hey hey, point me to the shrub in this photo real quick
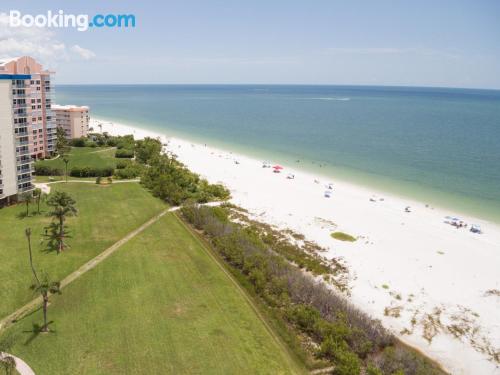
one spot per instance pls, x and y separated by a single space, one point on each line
129 172
146 149
78 142
121 164
170 180
45 170
124 153
91 172
98 180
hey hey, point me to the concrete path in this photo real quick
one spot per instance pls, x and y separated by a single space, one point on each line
44 186
105 150
21 366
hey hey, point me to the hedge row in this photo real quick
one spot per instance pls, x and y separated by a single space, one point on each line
91 172
124 153
45 170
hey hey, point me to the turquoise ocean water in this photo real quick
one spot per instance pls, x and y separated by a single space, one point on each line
440 146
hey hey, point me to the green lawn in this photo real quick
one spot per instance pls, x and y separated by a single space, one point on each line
97 157
106 214
159 305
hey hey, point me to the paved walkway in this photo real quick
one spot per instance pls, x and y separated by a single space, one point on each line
21 366
44 186
105 150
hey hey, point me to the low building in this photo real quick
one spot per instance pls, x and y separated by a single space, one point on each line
73 119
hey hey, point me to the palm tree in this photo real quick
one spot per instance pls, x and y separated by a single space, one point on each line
39 197
65 159
63 206
27 232
27 198
44 286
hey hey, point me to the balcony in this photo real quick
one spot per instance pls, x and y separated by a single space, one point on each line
23 152
20 113
19 105
21 134
24 179
24 161
22 143
25 188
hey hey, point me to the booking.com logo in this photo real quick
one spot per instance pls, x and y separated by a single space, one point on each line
82 22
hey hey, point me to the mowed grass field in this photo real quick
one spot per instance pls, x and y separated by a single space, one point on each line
159 305
95 157
106 214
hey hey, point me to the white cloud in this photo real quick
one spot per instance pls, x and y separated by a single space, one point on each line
84 53
40 43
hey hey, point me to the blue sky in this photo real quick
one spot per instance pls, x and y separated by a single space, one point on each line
383 42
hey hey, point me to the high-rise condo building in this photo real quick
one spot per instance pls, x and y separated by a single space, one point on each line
27 126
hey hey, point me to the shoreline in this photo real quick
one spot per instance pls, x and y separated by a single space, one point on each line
410 192
411 263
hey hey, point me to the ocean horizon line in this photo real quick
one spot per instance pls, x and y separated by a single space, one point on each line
334 85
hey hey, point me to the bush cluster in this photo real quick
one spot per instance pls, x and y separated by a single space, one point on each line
91 171
344 335
78 142
132 170
46 170
124 153
124 163
170 180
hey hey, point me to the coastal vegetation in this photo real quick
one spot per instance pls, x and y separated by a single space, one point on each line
170 180
124 158
318 322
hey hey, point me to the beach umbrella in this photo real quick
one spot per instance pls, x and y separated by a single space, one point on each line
278 167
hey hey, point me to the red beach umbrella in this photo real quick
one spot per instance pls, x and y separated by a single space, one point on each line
278 167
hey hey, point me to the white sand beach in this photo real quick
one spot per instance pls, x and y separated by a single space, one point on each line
435 286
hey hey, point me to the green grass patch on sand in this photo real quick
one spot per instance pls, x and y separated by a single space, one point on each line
159 305
95 157
106 214
341 236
